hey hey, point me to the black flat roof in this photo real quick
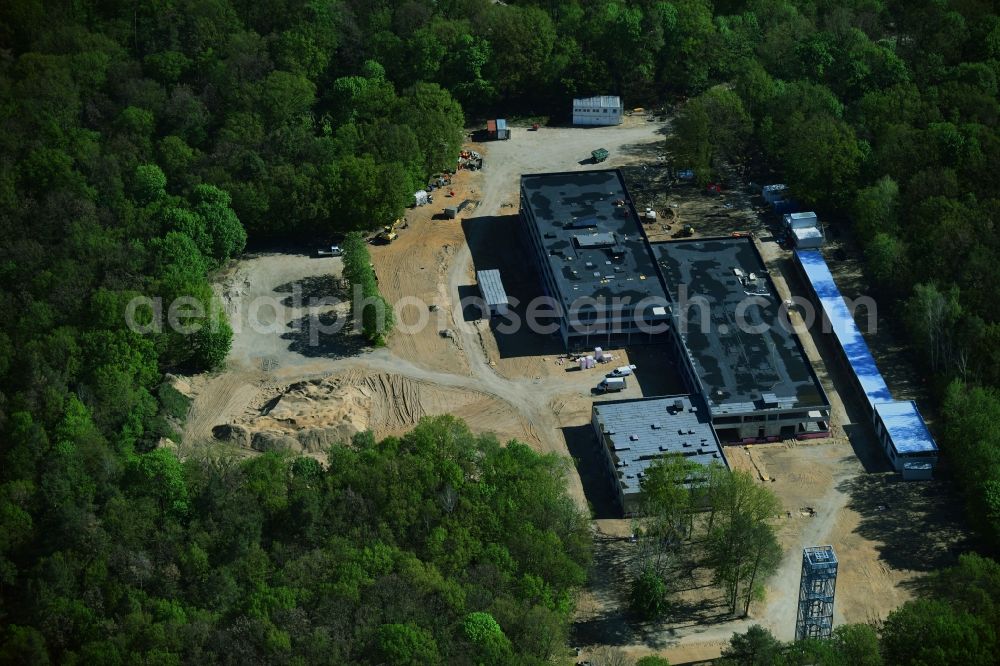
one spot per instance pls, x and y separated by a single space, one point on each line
595 248
740 370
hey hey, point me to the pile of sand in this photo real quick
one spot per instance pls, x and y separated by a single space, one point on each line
310 416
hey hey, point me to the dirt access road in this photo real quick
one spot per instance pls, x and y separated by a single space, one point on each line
286 378
273 300
886 533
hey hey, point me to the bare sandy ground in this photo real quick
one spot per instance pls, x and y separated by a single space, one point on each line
886 533
301 389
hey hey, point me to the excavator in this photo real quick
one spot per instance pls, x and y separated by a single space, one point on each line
388 233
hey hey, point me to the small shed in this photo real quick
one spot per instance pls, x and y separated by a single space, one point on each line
451 212
772 193
420 198
801 220
491 288
497 129
807 238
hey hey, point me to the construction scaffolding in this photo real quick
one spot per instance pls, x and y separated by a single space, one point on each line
816 591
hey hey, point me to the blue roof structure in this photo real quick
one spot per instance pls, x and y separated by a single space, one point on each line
906 428
847 333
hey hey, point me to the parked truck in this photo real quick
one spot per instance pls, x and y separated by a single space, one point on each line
612 385
334 251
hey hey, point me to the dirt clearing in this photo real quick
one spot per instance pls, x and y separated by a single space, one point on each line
297 384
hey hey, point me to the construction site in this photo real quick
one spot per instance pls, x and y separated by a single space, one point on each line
782 405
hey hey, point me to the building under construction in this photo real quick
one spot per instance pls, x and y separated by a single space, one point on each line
634 434
709 302
594 260
736 348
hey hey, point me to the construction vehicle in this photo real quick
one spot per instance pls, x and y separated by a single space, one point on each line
388 233
599 155
686 231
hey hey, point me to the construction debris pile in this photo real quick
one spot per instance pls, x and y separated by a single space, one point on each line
470 159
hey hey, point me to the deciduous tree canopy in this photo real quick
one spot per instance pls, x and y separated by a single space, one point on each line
143 144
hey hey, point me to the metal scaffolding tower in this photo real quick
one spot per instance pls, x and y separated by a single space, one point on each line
816 590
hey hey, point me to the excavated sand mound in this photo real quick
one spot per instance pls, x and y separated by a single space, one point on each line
309 416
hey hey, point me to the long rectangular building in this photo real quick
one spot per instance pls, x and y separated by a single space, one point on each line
837 319
593 257
898 424
742 357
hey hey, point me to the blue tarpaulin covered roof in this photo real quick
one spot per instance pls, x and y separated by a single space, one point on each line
905 426
844 328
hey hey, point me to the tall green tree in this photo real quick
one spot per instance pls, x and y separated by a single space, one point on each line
742 547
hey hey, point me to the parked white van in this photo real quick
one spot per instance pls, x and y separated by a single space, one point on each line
612 384
622 371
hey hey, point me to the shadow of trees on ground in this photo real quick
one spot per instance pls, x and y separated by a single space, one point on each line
313 289
917 524
325 335
695 602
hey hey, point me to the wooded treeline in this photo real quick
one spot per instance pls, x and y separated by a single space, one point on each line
693 515
437 547
884 117
142 143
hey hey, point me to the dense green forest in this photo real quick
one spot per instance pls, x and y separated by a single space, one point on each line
884 117
142 144
439 546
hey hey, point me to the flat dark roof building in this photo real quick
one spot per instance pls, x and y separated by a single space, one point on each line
635 433
593 255
746 361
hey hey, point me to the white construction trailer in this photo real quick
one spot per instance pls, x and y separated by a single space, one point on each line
602 110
